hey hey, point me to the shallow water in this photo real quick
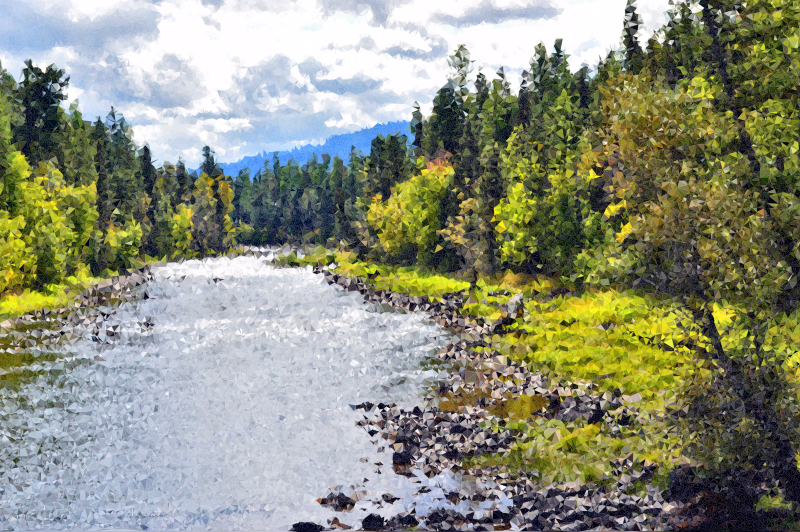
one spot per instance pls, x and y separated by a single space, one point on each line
230 412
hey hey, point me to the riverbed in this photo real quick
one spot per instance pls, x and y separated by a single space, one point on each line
221 401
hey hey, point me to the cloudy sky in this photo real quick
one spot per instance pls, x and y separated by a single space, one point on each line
249 75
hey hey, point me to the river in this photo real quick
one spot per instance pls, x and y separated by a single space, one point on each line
221 402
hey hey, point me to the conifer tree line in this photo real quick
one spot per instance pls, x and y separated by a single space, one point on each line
675 169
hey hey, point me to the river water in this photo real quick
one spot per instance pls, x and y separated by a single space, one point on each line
221 402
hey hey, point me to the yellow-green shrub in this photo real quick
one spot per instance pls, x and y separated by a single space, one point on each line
13 252
514 218
412 214
541 210
207 230
123 243
181 230
58 221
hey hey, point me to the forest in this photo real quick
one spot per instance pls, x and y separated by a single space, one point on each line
674 169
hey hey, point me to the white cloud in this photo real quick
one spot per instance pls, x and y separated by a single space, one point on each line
252 75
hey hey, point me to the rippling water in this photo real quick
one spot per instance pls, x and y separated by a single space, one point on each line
230 413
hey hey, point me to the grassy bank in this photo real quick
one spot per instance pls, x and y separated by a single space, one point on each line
17 303
615 341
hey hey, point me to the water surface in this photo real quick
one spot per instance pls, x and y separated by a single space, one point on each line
222 402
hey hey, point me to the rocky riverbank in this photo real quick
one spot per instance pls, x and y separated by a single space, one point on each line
438 436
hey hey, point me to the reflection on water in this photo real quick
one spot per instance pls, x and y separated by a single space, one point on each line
221 402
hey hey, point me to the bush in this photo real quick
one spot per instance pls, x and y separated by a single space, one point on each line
539 219
123 244
412 213
49 222
181 230
13 251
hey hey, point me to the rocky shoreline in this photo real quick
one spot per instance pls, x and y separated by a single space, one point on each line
430 440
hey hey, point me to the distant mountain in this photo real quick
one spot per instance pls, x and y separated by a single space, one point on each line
333 146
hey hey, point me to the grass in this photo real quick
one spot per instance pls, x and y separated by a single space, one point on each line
608 338
406 279
624 341
60 295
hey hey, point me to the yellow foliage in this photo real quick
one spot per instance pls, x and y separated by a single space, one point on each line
411 214
124 242
48 228
181 230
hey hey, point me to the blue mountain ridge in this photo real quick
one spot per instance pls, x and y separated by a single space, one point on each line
333 146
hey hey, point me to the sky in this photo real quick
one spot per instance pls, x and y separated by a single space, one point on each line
244 76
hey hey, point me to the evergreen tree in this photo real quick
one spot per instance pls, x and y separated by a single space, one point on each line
124 175
417 125
607 69
388 164
540 75
242 189
163 200
265 214
481 91
78 150
40 94
105 199
10 116
524 116
687 40
652 55
499 112
214 222
445 126
562 78
184 183
634 57
584 90
147 173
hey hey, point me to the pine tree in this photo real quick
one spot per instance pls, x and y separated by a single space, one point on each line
652 54
583 87
540 76
357 231
448 115
214 222
124 173
242 188
559 66
499 112
10 116
524 116
388 164
184 183
687 40
634 57
148 179
417 125
40 94
163 199
606 69
105 205
265 214
78 151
